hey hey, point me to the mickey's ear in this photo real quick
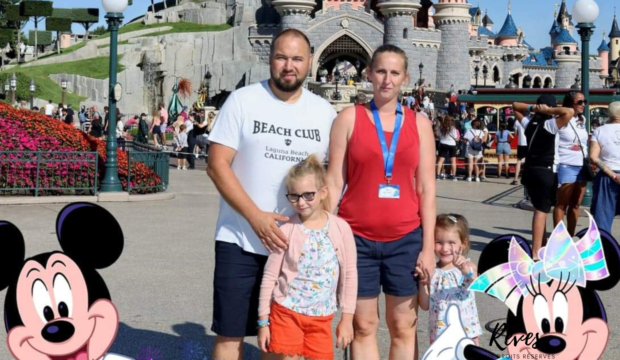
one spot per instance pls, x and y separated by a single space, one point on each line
496 252
89 234
12 253
612 258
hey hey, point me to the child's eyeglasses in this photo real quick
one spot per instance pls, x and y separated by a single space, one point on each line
307 196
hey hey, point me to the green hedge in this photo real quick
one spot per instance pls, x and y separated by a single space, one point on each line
90 15
23 86
62 13
58 24
12 14
43 38
36 8
6 37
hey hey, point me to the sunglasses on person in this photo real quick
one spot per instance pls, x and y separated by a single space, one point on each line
307 196
581 102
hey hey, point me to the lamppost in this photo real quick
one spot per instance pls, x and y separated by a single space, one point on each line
421 66
485 74
33 88
7 88
585 13
477 71
13 88
114 17
336 95
63 85
208 77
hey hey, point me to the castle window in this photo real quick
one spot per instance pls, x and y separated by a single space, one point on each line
405 33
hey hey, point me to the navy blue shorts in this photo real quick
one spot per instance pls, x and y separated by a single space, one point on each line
388 265
236 286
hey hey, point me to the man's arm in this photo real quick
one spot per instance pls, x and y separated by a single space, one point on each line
263 223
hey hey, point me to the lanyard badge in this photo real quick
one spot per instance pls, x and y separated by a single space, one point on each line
389 190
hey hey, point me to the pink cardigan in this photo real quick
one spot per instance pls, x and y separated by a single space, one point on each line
281 268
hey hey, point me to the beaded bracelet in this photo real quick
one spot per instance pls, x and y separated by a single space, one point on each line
263 323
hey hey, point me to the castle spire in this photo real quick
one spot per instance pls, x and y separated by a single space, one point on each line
615 30
509 6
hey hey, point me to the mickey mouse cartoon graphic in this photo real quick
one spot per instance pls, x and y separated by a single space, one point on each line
57 306
554 300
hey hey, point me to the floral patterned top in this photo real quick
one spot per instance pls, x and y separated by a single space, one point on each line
313 292
450 287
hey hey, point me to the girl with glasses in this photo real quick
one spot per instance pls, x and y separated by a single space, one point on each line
304 285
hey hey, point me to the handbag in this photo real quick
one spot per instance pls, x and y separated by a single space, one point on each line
586 168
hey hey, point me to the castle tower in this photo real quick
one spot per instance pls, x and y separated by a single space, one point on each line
486 21
603 53
509 34
564 19
398 29
294 13
453 63
614 36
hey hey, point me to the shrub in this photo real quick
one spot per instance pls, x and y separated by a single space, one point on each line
58 24
25 130
43 38
36 8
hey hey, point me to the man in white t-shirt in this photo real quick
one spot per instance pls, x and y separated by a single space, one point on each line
49 108
261 132
605 153
519 127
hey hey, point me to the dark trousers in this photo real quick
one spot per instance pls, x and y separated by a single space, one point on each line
191 142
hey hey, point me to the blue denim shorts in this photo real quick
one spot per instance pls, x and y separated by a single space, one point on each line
568 174
388 265
503 149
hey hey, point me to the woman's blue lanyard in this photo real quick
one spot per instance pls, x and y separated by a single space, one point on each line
388 156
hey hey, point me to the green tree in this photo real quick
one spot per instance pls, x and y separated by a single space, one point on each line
86 18
60 25
3 20
37 10
17 23
100 30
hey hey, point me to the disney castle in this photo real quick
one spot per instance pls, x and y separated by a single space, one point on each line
446 42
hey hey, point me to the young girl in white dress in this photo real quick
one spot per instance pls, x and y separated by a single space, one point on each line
453 275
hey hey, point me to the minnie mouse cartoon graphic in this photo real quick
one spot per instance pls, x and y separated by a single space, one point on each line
555 312
57 306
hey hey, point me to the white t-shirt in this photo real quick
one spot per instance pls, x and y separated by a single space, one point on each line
49 109
520 129
471 134
567 149
270 136
449 138
189 125
608 138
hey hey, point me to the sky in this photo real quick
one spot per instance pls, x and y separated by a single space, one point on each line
535 17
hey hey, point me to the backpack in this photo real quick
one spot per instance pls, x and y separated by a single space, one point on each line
476 143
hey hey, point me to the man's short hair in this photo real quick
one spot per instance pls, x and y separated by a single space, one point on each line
293 33
614 110
360 97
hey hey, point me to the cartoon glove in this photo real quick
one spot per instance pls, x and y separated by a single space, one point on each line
452 342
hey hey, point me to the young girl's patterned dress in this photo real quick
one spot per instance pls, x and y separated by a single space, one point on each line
313 292
447 287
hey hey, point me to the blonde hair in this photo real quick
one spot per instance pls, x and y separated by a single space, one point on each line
458 222
614 110
310 166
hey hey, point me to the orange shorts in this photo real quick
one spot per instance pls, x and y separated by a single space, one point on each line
303 335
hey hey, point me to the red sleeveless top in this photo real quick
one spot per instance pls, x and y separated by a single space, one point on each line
370 216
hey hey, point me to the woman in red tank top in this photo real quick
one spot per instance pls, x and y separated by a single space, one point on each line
384 155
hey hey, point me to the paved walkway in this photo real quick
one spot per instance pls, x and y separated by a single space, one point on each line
162 284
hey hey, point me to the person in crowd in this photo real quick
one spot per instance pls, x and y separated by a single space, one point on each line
191 140
83 117
448 140
163 124
519 127
247 165
605 153
360 99
58 114
305 285
571 149
467 122
594 125
180 141
539 176
155 128
503 137
96 125
201 131
453 275
69 115
474 138
377 192
106 119
49 109
487 142
120 130
143 130
410 100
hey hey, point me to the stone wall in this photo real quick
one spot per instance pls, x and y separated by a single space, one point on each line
453 64
206 13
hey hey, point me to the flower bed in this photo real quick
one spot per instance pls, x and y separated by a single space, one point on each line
24 131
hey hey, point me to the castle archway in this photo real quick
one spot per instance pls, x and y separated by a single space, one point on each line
342 46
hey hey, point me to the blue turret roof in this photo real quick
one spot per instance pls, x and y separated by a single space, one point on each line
604 46
548 54
484 31
536 59
529 47
615 31
555 28
509 29
564 37
472 12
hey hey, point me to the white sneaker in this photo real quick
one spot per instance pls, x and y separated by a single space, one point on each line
184 167
469 179
178 168
454 178
477 179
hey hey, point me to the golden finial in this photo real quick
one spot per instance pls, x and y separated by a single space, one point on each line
555 10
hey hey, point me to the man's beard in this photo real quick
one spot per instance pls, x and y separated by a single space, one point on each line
281 85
